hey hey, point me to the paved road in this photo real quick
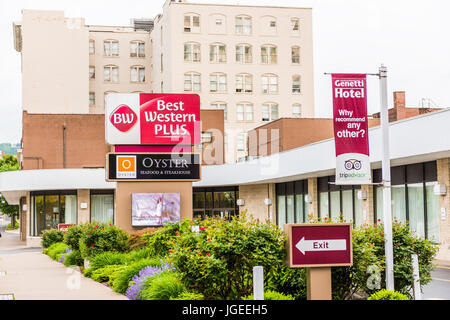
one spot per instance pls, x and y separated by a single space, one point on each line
31 275
439 287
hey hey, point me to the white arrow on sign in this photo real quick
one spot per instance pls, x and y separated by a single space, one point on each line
321 245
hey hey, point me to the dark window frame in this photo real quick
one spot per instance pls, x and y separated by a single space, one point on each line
428 173
321 187
291 188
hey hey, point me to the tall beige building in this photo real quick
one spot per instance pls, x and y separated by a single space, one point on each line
68 67
255 62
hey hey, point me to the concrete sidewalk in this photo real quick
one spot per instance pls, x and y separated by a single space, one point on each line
31 275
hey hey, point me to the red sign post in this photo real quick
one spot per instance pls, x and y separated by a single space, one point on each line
318 247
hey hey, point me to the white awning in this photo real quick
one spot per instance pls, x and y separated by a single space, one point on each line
14 184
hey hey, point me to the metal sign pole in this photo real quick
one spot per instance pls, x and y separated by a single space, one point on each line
386 177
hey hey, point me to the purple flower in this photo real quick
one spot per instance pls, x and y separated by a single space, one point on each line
137 281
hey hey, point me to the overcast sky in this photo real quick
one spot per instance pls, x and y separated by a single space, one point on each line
411 38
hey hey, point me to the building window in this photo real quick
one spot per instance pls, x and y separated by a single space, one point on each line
269 83
268 54
243 25
102 207
218 82
91 72
244 83
191 23
192 52
192 81
244 112
137 49
221 106
296 84
269 111
413 198
48 209
111 74
91 98
137 74
296 110
111 48
295 26
290 202
295 54
217 53
338 202
244 53
241 143
215 202
91 46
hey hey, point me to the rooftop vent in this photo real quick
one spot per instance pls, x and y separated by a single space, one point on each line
143 24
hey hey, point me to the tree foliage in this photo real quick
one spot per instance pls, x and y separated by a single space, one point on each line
8 163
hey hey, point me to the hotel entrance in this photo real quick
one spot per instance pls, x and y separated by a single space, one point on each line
49 209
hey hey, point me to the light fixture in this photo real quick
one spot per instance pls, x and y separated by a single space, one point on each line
83 205
308 198
240 202
440 189
24 207
267 201
362 194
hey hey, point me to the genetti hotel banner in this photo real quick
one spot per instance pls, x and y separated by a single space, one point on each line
351 129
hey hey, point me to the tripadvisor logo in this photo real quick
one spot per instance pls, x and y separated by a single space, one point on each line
352 175
352 164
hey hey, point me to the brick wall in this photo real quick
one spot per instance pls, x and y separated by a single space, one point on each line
443 173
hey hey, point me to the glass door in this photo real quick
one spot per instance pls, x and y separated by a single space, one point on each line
38 215
51 212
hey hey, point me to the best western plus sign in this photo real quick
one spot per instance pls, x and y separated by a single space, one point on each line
166 119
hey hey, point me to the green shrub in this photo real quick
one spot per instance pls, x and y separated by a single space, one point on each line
159 242
73 235
16 226
387 295
218 261
123 278
101 237
104 274
272 295
289 281
405 243
73 258
189 296
107 258
163 286
56 250
51 236
346 281
139 254
114 274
